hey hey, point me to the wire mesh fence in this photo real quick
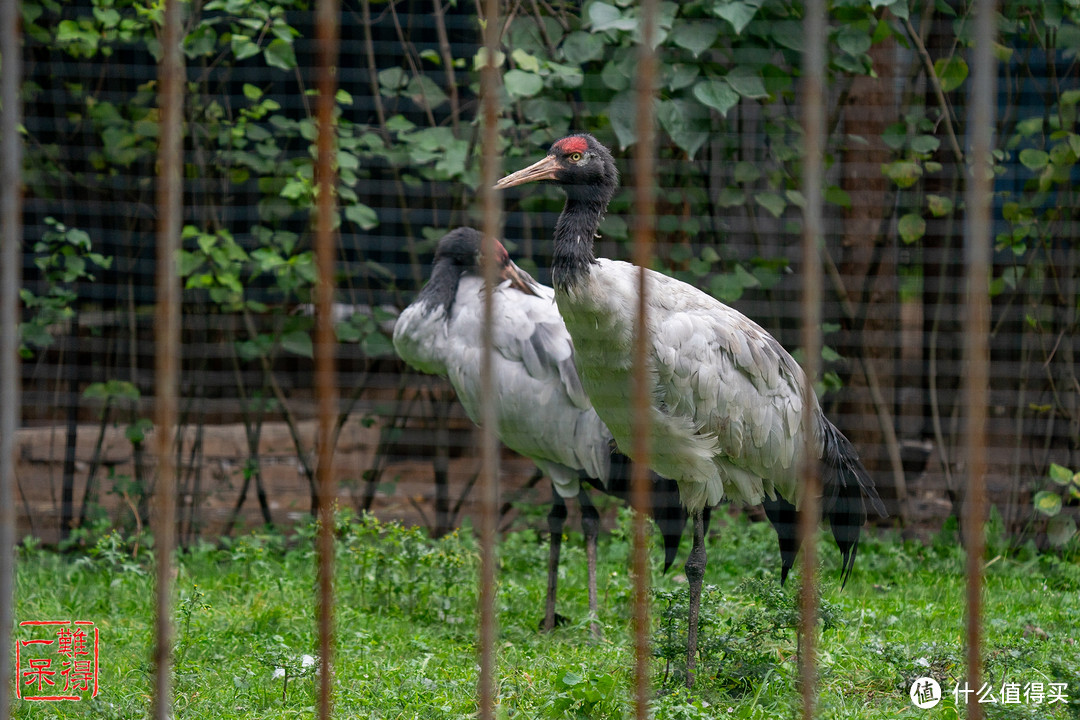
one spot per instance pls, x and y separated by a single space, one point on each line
726 215
287 403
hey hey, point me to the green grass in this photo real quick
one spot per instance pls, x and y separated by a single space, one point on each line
405 628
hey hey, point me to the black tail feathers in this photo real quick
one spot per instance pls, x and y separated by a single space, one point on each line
846 490
785 520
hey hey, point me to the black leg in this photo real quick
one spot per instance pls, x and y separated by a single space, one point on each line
695 573
556 519
590 527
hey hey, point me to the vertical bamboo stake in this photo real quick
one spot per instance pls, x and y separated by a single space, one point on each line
977 232
489 449
10 278
327 34
813 90
644 230
167 341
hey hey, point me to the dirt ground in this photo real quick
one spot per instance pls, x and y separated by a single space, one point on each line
212 478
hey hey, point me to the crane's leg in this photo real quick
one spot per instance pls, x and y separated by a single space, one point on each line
556 519
590 527
695 573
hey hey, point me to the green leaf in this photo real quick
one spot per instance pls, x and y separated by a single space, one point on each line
375 344
608 17
726 287
1070 97
424 91
746 172
745 278
747 82
242 47
895 136
677 118
716 94
201 41
621 111
951 72
280 54
571 679
1048 503
1060 530
939 205
121 389
522 84
899 8
525 61
399 123
547 112
298 342
136 431
393 79
738 13
581 47
772 202
362 215
730 197
925 143
852 40
679 75
1034 159
911 227
904 173
836 195
1060 474
695 35
788 33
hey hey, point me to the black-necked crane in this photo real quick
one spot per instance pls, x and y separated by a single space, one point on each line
727 401
542 411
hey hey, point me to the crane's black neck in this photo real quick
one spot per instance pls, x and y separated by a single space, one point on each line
441 289
574 234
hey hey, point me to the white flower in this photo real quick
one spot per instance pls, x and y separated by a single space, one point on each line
278 672
306 661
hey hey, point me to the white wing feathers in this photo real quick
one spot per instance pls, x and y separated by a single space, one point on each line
727 397
734 380
543 412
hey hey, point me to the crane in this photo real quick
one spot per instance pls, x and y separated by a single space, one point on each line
727 401
543 412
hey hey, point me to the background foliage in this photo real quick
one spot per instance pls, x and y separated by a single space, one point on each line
730 151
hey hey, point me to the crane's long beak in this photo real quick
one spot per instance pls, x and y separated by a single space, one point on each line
543 170
519 279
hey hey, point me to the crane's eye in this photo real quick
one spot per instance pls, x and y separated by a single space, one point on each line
575 157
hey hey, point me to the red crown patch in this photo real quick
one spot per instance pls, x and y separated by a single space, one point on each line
572 144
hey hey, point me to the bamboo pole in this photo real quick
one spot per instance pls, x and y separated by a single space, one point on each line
10 279
813 97
644 236
167 342
326 393
977 233
489 448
